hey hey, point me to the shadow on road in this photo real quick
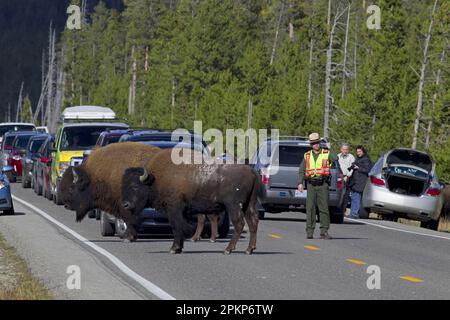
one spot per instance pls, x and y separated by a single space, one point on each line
242 252
12 215
284 219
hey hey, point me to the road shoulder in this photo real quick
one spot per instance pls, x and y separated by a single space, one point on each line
55 259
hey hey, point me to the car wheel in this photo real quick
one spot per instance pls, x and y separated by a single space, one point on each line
91 214
39 188
336 215
107 228
57 198
364 213
432 224
10 177
98 214
23 181
121 227
32 183
9 212
261 214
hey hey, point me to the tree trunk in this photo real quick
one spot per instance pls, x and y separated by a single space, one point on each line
433 102
419 106
132 91
19 103
275 40
311 48
344 71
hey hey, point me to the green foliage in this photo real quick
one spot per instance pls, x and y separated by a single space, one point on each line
207 60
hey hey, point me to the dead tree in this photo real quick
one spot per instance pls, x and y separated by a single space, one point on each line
277 31
433 101
329 71
423 68
132 90
19 103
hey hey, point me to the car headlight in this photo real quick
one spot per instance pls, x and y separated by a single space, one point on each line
62 167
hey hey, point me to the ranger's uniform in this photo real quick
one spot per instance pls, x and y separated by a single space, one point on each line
315 169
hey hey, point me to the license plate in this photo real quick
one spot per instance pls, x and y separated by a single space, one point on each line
298 194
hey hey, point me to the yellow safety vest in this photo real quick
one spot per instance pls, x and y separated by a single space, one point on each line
320 167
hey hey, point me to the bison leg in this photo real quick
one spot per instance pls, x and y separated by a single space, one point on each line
214 219
251 216
237 218
132 223
177 222
200 225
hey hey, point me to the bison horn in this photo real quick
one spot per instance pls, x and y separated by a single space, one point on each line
144 177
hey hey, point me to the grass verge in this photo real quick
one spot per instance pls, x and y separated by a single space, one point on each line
16 281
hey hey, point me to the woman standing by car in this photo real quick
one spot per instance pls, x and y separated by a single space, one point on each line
361 168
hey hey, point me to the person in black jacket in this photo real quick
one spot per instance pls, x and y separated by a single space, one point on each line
361 168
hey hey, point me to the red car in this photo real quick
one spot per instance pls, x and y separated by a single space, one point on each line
17 150
40 181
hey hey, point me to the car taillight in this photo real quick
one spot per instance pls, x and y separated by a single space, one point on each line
376 181
340 183
434 192
265 177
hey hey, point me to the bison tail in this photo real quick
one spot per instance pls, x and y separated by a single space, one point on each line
251 199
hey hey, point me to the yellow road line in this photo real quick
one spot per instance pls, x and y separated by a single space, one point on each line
412 279
274 236
312 248
359 262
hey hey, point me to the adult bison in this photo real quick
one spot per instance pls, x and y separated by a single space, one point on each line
446 208
96 184
181 190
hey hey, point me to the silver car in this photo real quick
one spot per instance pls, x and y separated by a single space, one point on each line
403 183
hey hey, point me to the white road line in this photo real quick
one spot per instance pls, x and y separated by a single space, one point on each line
149 286
397 229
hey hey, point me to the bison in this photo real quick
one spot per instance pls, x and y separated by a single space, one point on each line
96 183
446 208
183 190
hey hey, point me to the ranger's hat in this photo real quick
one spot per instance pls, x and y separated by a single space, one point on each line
314 137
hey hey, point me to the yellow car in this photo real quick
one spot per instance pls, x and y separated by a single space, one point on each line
80 128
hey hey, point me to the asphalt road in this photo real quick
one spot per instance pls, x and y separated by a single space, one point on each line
414 263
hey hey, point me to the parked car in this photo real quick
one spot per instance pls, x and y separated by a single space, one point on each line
278 162
42 130
403 183
79 132
6 203
15 126
154 222
105 138
42 162
32 148
17 151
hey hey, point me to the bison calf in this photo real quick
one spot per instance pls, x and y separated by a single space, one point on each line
181 190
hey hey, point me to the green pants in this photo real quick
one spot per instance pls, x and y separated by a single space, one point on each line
317 197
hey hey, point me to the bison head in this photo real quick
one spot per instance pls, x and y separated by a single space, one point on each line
136 189
75 191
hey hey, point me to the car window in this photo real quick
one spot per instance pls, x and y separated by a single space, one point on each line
377 166
290 156
9 140
407 171
35 145
4 129
21 142
81 138
111 140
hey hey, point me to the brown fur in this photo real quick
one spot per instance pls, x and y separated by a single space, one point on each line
106 166
208 189
446 209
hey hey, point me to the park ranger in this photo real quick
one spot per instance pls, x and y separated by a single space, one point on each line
315 169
